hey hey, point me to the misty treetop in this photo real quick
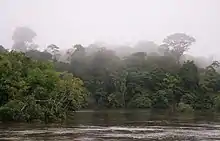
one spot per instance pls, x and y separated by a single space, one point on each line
144 76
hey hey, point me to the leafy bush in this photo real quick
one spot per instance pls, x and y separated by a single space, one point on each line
140 101
160 100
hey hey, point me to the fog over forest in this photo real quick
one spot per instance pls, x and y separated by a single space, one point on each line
116 23
57 57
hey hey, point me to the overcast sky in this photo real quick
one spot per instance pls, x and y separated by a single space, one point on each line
67 22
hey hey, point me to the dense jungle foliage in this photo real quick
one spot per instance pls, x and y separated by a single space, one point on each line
33 90
144 76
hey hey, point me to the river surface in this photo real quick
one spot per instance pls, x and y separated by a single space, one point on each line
119 125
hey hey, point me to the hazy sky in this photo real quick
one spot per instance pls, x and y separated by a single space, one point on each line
67 22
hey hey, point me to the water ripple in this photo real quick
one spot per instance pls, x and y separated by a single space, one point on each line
89 133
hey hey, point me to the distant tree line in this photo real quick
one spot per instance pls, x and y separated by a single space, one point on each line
145 76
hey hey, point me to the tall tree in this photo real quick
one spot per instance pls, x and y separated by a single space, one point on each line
21 37
177 44
54 50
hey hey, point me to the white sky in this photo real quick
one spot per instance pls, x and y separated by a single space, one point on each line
67 22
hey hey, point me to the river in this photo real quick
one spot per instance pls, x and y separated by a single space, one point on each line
120 125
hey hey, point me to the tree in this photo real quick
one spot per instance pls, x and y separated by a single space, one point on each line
54 50
22 36
79 52
78 60
2 49
189 75
177 44
211 78
41 85
33 90
136 59
38 55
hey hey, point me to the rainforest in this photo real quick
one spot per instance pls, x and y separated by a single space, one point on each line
45 84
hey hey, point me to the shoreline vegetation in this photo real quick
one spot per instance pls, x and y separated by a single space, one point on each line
47 85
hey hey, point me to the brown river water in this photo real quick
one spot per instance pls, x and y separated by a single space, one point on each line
120 125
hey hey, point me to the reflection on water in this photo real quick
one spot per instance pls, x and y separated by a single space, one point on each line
121 126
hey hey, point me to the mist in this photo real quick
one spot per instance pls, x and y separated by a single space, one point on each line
116 68
123 22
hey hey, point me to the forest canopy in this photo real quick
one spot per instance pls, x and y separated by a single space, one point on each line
33 90
47 84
